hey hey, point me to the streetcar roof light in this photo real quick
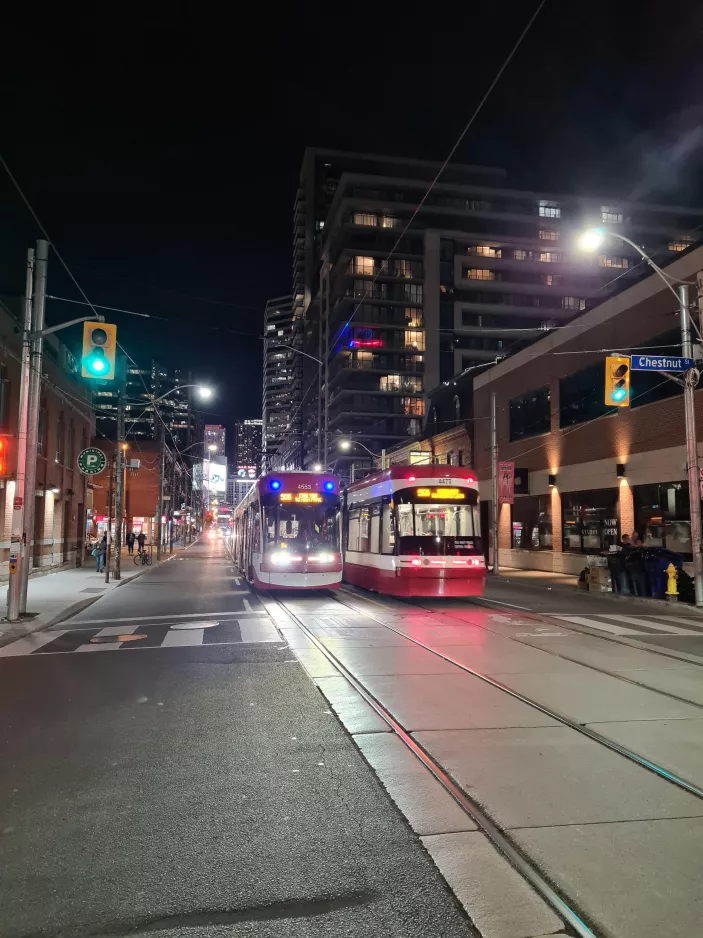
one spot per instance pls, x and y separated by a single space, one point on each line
328 486
275 484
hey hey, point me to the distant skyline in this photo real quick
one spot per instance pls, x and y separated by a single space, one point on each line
163 156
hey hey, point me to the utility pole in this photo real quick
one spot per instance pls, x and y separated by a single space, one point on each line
119 466
35 362
494 478
110 516
171 515
694 484
160 502
17 549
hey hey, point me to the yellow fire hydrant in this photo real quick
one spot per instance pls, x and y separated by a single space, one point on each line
672 594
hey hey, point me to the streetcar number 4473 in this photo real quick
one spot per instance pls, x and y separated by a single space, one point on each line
443 481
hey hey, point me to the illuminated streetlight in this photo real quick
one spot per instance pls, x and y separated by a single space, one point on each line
204 392
212 447
344 444
317 467
592 239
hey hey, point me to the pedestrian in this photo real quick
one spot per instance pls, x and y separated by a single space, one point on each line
100 551
130 541
636 540
141 540
625 541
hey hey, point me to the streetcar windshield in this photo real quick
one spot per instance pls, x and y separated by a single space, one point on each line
304 527
438 528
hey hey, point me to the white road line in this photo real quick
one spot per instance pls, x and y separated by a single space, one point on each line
118 630
499 603
176 638
259 632
247 605
601 626
192 615
695 624
102 646
238 581
658 625
28 644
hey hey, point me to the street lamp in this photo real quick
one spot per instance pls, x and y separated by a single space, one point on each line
347 445
591 240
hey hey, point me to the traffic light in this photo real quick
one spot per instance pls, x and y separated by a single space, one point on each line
617 381
99 349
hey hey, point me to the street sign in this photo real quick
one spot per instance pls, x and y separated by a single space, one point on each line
506 483
17 503
660 363
91 461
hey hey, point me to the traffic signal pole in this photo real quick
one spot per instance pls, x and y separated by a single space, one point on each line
694 483
119 478
494 481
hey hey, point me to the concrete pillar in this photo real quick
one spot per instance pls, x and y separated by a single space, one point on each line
626 508
556 520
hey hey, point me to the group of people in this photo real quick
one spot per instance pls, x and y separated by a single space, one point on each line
627 567
100 549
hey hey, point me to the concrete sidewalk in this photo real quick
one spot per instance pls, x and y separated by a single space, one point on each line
53 597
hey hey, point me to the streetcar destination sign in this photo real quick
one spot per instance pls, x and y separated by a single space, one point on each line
660 363
91 461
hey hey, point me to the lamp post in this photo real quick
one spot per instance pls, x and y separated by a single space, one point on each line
591 240
347 445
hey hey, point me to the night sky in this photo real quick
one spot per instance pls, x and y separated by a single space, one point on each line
162 154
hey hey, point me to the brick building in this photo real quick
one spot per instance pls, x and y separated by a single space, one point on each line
589 474
142 491
65 427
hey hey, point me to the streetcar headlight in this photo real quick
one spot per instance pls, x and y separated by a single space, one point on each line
280 557
321 558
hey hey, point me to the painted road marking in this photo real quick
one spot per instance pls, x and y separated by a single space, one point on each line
601 626
259 632
658 625
190 615
28 644
178 638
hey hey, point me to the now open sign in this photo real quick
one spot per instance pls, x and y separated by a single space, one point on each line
91 461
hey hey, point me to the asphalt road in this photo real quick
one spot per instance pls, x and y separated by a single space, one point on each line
186 787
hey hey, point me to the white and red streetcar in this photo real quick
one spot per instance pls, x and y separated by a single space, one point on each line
286 532
415 531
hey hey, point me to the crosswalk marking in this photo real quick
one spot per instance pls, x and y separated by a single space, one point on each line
185 615
659 625
158 635
603 626
647 625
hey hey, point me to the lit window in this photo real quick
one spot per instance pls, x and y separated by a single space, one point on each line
390 383
572 302
413 317
610 215
520 255
548 280
360 218
387 222
680 244
484 250
362 265
550 257
549 209
415 406
548 235
403 268
415 339
479 273
608 260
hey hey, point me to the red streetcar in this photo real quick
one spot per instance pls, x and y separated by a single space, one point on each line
287 532
415 531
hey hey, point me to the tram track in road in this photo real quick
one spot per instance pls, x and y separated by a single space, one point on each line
502 841
566 911
582 728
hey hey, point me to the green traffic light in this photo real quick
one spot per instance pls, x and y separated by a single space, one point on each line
96 362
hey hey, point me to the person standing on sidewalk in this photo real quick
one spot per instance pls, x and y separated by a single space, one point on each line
130 542
100 551
141 540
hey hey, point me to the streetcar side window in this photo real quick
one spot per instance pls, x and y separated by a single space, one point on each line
387 529
364 529
375 528
256 542
405 521
353 530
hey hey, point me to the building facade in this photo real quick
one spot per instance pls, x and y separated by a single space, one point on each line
405 298
214 436
62 497
248 444
283 375
588 473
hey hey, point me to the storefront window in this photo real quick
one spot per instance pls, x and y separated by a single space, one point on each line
532 523
590 521
663 516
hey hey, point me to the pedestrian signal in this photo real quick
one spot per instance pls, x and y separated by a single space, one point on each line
617 381
99 350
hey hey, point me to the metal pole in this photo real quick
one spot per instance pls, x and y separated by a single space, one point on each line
35 361
119 468
326 344
171 516
694 484
160 502
494 478
109 519
383 459
16 548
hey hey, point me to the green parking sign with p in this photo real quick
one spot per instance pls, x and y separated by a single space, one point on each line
91 461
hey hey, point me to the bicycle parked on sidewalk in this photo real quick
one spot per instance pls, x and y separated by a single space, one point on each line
142 558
